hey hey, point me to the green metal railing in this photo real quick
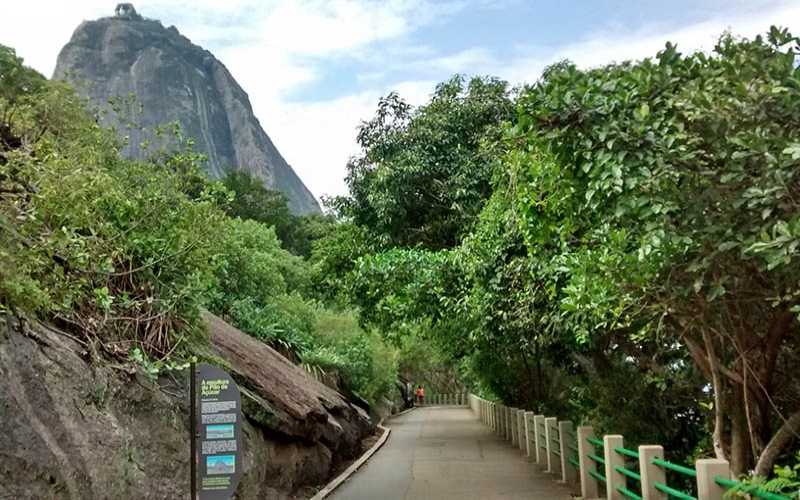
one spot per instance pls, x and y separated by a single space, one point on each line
765 495
673 492
626 451
628 473
505 419
599 460
681 495
677 468
628 493
595 441
597 475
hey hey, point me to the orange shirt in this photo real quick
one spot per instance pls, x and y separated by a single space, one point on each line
420 392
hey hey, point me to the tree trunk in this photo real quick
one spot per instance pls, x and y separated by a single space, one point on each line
776 445
740 456
716 383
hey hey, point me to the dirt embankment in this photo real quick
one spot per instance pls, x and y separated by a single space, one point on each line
75 431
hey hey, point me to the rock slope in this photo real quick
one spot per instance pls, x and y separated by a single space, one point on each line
73 430
173 79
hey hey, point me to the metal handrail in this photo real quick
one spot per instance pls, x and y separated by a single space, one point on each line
597 459
628 493
597 475
673 492
628 473
626 451
749 489
594 441
675 467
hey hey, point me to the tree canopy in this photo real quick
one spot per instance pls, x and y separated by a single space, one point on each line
634 238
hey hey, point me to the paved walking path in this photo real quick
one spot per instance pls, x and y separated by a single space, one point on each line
443 453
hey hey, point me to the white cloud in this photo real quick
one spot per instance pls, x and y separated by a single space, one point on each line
609 45
318 138
274 46
38 29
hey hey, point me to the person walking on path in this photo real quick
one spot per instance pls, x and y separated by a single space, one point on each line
421 395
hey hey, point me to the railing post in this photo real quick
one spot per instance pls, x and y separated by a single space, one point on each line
514 425
588 482
614 459
521 430
567 469
550 430
538 428
707 470
528 432
651 473
511 426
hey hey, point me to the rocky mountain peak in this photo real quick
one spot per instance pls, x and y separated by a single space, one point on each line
174 79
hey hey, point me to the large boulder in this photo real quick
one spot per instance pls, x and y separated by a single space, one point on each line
75 430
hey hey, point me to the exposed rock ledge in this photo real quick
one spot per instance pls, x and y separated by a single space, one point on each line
75 431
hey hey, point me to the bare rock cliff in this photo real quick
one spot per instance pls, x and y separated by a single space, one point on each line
174 79
74 430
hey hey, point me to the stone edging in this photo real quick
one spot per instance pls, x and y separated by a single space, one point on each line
327 490
399 414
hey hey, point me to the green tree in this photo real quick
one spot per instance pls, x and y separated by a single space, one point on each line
423 176
658 200
253 201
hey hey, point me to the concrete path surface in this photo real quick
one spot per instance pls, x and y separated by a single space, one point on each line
444 453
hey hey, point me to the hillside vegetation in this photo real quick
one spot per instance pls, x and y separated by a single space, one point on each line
603 245
126 254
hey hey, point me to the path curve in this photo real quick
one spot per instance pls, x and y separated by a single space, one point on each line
441 453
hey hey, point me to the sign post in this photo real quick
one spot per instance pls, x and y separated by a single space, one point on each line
216 433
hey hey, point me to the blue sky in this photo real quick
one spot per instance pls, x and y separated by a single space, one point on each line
315 68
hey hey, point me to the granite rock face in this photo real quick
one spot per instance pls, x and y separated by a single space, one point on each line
75 430
173 79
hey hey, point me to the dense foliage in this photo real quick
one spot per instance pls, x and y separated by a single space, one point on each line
635 254
601 245
423 174
124 255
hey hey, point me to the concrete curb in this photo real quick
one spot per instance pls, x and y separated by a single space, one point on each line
327 490
409 410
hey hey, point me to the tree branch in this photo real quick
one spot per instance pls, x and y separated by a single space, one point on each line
776 445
